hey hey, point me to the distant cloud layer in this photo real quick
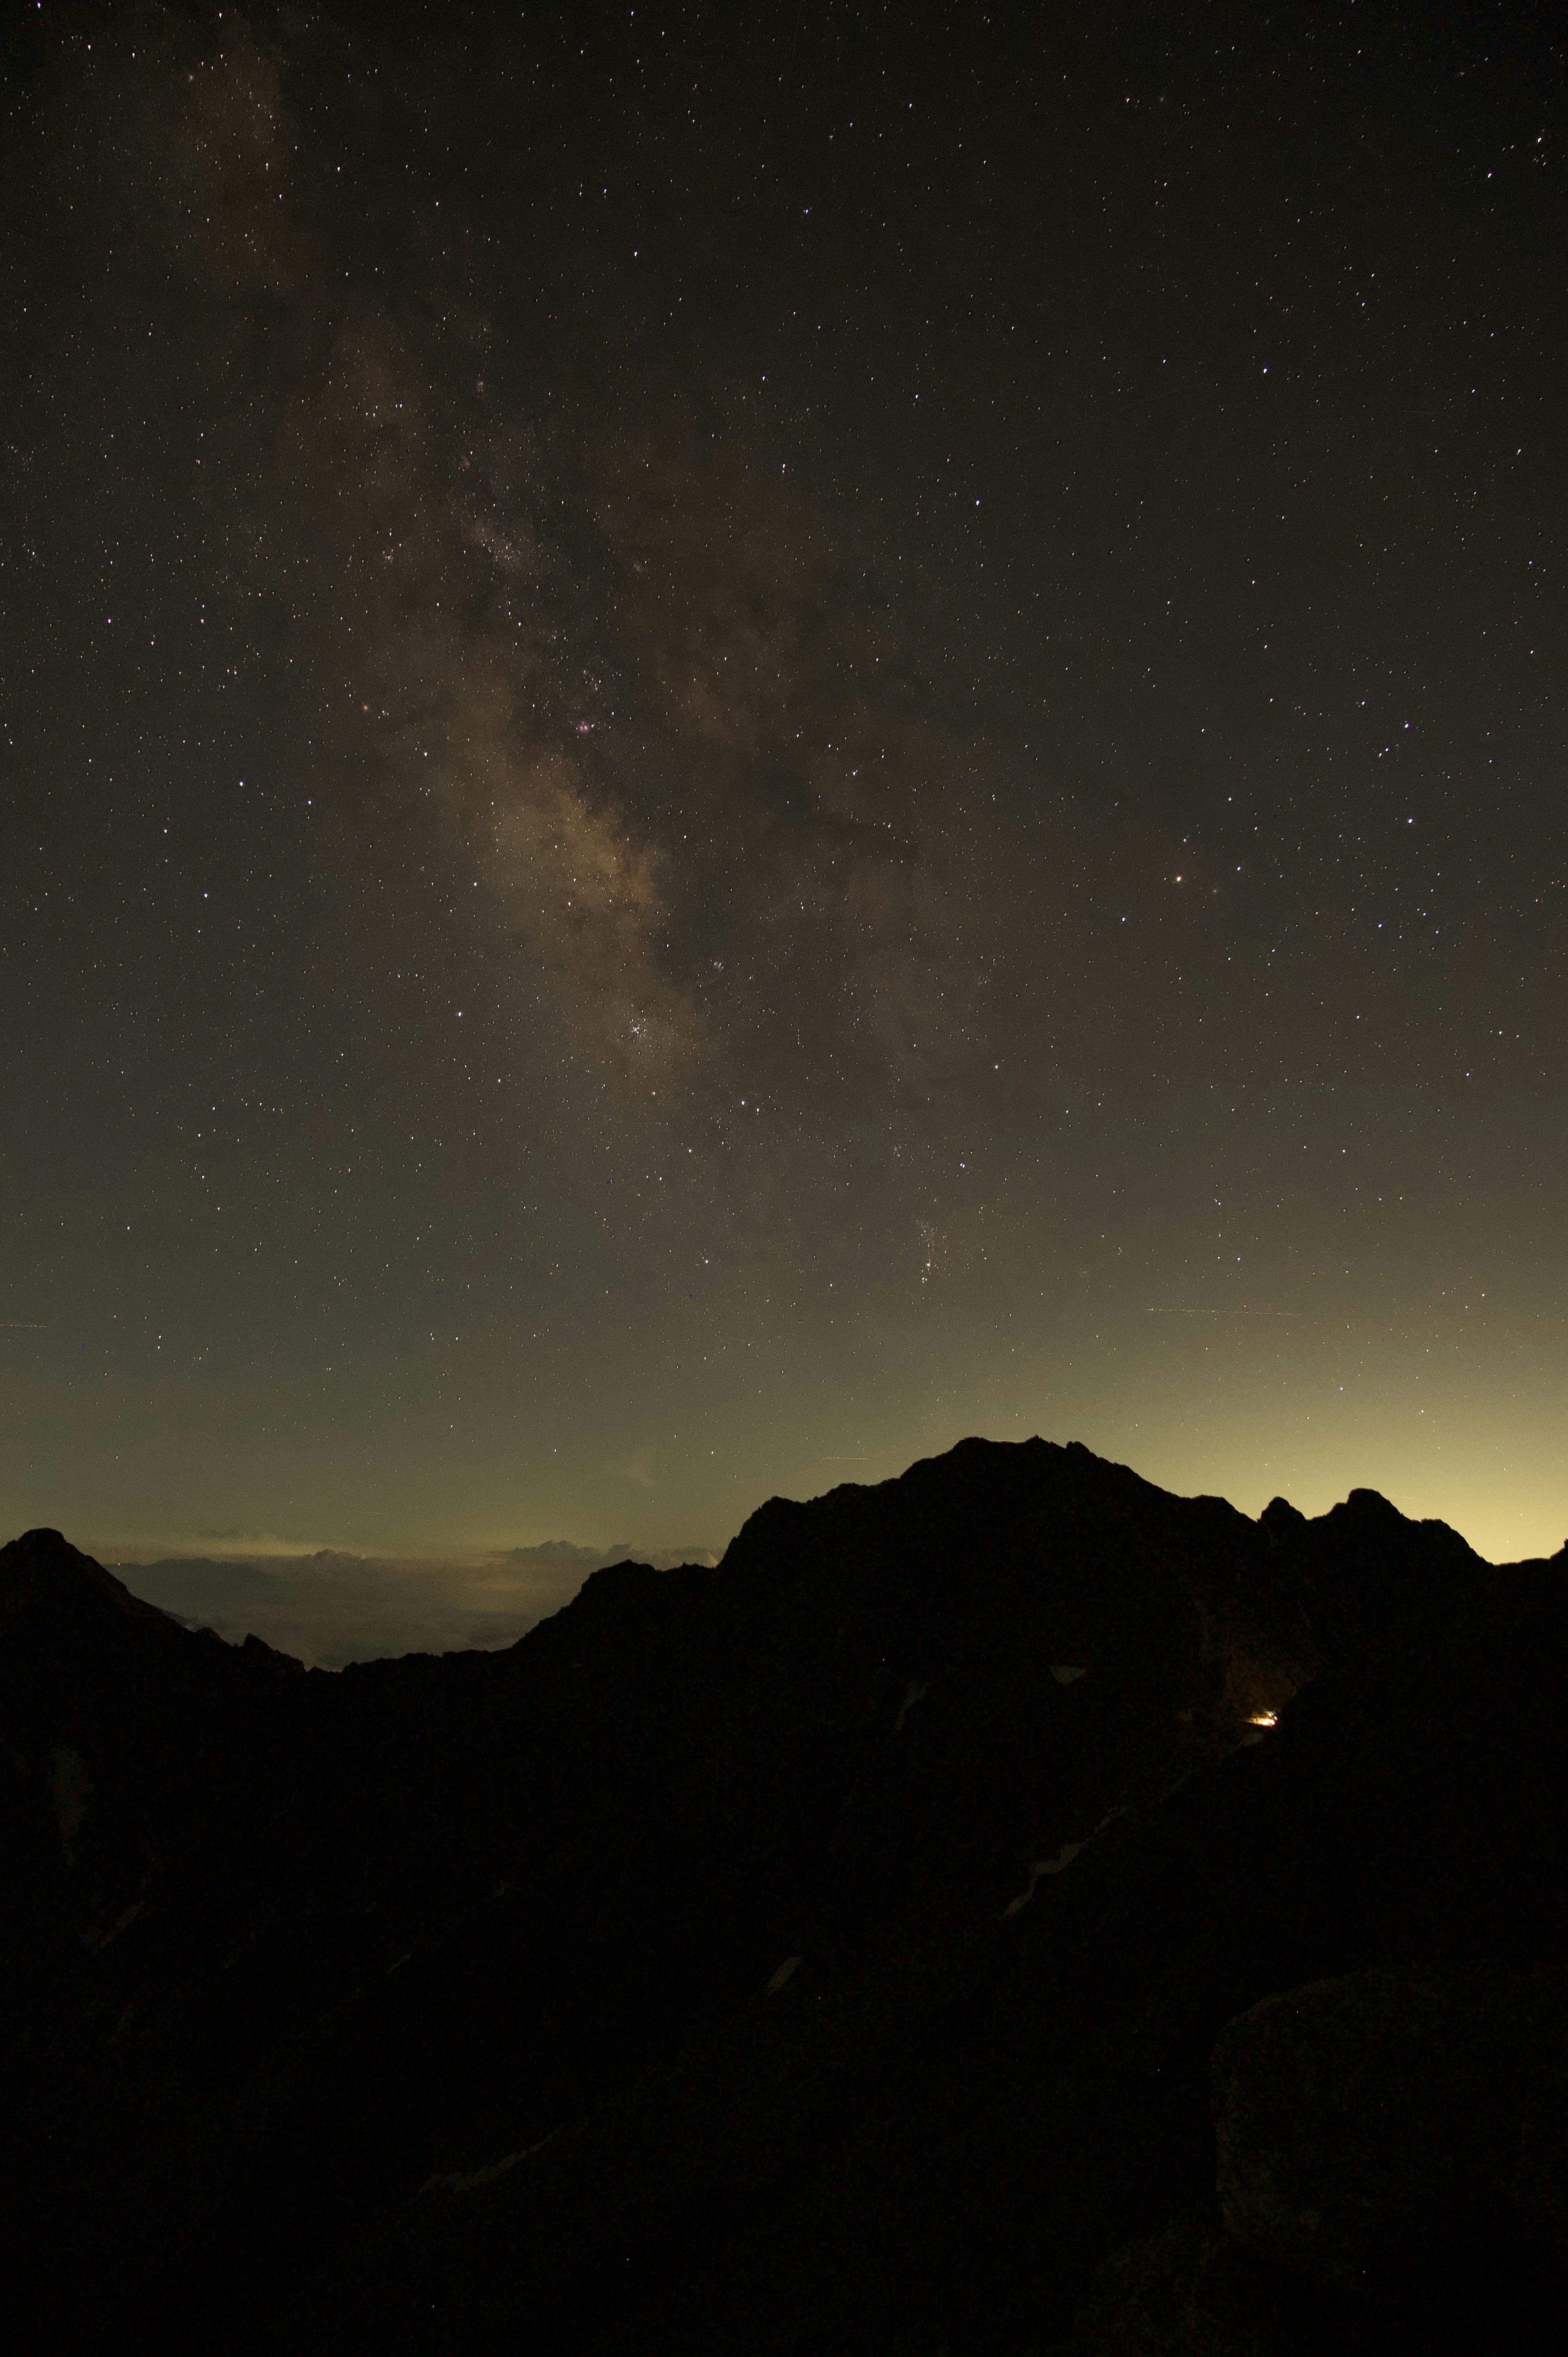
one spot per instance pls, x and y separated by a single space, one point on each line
329 1609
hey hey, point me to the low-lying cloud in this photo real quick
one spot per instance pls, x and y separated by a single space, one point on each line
330 1609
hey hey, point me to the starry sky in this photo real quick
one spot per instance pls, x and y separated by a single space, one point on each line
734 740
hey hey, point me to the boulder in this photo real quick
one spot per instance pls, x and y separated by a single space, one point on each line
1396 2130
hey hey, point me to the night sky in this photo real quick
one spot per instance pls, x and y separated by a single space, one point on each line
738 740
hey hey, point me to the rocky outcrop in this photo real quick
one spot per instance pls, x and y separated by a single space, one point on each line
1393 2128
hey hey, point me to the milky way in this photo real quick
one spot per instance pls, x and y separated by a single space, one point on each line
722 772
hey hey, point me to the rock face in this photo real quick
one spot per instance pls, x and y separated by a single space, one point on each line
1377 2132
440 2003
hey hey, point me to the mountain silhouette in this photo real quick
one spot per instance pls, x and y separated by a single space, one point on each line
912 1934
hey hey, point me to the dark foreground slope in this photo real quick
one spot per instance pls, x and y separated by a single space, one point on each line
454 2003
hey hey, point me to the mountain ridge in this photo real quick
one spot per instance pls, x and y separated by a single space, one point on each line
392 1949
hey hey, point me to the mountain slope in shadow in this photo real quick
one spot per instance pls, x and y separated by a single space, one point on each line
826 1949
